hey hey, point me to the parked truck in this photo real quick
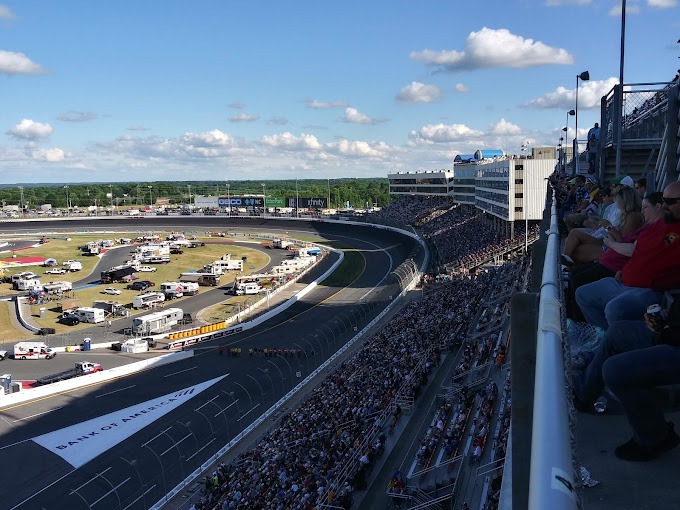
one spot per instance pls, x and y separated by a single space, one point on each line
33 350
81 368
114 308
204 279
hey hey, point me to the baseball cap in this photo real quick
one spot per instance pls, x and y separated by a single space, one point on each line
624 181
593 179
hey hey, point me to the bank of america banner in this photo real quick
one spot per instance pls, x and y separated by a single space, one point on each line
308 203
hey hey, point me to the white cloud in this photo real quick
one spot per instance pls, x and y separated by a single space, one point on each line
30 130
74 116
18 63
503 127
631 8
320 105
441 133
589 95
49 155
244 117
214 138
5 13
491 48
462 88
237 106
416 92
354 116
291 142
359 149
661 4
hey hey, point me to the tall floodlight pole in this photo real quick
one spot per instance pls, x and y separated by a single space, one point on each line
21 198
264 199
297 199
111 193
584 76
150 198
189 189
68 206
328 205
229 198
619 113
525 180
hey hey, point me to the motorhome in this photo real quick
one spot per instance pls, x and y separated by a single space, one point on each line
171 290
33 350
90 315
73 265
148 299
189 288
157 322
31 284
24 275
247 288
204 279
282 243
57 287
224 264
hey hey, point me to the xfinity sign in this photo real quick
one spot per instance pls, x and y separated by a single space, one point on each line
308 203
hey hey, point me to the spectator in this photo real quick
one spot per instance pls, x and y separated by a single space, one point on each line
594 131
582 248
653 268
591 147
613 259
641 186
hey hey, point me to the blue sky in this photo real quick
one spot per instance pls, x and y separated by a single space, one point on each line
237 90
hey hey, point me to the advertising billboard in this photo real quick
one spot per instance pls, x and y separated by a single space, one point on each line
308 203
240 202
275 202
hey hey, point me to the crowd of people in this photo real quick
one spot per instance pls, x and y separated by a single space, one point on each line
622 264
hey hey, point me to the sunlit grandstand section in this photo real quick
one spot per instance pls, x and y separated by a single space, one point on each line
431 182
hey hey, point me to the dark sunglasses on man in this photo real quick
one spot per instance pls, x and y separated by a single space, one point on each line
671 200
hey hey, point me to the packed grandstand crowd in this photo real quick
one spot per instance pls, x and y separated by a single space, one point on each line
324 450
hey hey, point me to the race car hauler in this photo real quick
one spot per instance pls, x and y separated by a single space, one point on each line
90 314
33 350
147 299
81 368
157 322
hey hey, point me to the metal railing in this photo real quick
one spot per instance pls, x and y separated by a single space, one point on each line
551 483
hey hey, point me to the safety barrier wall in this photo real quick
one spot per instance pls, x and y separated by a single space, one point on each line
18 302
85 380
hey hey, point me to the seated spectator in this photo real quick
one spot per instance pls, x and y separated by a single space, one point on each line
582 248
613 259
634 357
590 207
641 186
653 268
631 378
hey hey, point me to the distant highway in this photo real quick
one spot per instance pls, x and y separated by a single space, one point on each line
136 470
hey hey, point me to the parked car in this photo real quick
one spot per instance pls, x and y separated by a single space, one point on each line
56 270
149 283
147 269
112 290
69 320
138 286
176 251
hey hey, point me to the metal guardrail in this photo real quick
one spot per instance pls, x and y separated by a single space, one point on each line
551 483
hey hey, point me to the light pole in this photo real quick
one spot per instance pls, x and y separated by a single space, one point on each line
566 134
111 193
619 113
229 198
525 180
297 199
264 199
328 205
189 189
68 207
150 198
563 159
584 76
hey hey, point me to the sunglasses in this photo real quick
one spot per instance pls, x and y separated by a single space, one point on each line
671 200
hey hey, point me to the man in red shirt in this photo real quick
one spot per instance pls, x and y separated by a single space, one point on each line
653 268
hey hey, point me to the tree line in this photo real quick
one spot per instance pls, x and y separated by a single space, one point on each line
358 192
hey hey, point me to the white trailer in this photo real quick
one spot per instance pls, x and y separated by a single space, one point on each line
189 288
33 350
73 265
148 299
282 243
31 284
90 314
57 287
248 288
171 290
157 322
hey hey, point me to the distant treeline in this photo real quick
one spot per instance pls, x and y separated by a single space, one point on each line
359 192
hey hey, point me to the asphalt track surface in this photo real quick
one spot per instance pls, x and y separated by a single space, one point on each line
138 471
